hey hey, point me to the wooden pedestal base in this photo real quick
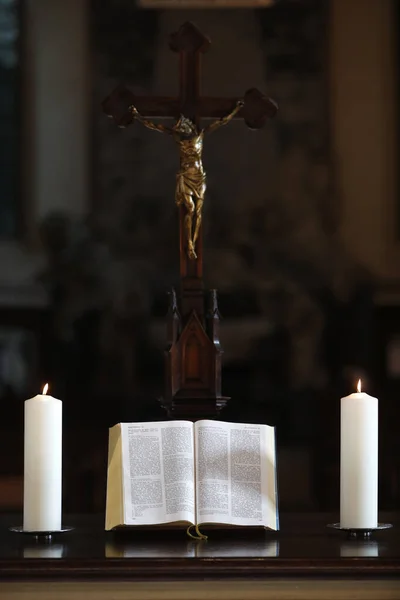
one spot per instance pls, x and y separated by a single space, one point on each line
193 361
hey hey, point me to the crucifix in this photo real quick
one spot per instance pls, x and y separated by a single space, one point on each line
193 353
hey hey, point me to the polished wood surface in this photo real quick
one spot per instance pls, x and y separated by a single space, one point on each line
304 547
272 589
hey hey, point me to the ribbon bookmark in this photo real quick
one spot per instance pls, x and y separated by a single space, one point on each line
199 536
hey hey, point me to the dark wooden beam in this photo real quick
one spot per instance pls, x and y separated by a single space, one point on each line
166 107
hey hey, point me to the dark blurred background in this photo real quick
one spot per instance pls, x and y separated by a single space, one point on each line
301 228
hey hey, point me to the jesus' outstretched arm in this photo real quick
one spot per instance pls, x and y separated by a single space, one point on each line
149 124
225 120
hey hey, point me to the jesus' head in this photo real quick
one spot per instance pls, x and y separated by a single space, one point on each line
185 126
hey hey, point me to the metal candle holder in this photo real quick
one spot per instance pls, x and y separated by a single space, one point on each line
354 533
41 535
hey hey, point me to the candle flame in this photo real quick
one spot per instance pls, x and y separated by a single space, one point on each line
45 389
359 386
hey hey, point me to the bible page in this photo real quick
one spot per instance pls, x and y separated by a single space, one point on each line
158 478
235 474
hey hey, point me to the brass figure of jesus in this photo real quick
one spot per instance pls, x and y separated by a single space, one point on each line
191 177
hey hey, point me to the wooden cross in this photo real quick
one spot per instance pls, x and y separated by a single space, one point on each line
190 44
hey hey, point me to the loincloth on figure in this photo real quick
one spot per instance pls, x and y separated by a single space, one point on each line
189 184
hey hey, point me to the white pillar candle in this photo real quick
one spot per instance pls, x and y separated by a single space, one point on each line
42 463
359 461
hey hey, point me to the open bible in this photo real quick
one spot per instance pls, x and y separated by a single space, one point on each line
184 473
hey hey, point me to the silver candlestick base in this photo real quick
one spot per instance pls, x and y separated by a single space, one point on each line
41 535
354 533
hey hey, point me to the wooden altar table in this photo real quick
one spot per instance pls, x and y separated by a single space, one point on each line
305 560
